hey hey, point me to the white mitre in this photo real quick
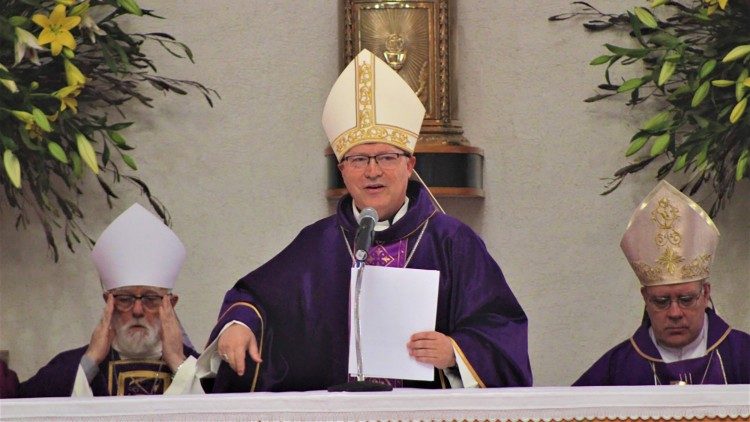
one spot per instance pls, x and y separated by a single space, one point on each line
138 249
371 103
670 239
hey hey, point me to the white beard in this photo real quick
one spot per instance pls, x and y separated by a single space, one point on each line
141 344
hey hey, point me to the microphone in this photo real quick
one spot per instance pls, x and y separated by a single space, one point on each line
365 233
362 242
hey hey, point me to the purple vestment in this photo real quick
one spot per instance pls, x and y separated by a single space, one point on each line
637 361
297 304
56 379
8 382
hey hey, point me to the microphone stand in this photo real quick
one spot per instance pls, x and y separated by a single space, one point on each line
360 384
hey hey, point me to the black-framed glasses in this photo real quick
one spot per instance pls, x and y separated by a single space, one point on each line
387 161
663 303
125 302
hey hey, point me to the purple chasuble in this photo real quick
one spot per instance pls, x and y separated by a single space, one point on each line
297 304
115 376
637 361
8 382
703 370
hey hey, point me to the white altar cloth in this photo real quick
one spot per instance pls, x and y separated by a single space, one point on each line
526 404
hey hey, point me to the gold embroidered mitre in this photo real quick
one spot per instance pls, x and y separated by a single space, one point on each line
371 103
669 238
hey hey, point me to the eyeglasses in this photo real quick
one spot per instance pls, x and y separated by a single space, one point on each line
663 303
387 161
124 302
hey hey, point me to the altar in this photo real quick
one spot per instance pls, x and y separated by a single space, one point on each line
642 403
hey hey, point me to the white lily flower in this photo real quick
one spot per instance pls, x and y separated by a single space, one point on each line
27 46
89 26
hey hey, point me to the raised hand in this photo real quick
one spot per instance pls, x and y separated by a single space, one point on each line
104 333
171 334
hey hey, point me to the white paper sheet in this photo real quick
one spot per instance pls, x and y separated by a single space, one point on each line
394 304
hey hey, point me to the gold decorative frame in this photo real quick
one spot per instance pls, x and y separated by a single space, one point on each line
414 38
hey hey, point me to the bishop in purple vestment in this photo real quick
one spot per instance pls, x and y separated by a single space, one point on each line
296 306
637 361
670 243
138 346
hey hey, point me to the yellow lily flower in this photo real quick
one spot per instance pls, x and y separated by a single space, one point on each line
56 29
738 111
712 5
87 153
8 83
66 2
67 97
23 116
12 167
72 74
33 129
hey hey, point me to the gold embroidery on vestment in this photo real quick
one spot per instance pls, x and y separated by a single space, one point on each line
142 374
697 267
136 377
669 260
380 254
665 215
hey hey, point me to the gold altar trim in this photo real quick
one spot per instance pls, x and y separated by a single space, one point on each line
628 419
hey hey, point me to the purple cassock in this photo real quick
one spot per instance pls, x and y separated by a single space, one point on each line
8 382
297 304
637 361
116 377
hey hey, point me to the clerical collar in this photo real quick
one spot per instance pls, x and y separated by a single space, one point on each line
695 349
154 354
384 224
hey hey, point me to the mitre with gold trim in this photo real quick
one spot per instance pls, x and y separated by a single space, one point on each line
670 239
371 103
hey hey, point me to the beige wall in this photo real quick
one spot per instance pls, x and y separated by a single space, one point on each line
243 178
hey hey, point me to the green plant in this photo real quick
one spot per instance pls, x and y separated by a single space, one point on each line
696 70
65 67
